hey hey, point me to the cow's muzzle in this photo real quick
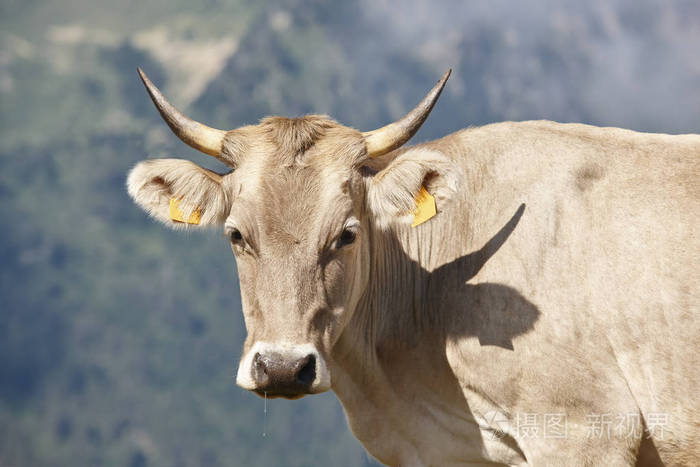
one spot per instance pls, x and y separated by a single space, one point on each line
276 375
283 370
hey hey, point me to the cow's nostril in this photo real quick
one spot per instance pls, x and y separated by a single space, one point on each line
260 369
307 373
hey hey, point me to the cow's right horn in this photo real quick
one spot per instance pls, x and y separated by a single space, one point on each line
201 137
395 134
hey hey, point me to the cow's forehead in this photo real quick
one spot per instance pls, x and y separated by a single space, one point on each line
298 204
297 173
289 203
313 140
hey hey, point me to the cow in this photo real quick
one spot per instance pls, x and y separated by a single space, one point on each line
517 293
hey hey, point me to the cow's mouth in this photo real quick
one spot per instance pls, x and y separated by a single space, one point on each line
283 394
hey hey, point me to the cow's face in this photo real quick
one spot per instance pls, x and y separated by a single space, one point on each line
298 211
297 227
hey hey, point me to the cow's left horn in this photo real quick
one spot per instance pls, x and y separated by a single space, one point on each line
201 137
395 134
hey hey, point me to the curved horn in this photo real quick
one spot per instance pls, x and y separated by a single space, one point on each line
392 136
201 137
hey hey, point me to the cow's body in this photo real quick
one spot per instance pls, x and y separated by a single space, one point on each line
547 315
562 281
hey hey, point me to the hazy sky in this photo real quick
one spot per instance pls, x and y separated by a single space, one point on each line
609 62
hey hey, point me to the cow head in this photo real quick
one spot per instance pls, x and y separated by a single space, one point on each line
298 208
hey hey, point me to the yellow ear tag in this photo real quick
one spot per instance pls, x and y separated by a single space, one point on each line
425 207
177 216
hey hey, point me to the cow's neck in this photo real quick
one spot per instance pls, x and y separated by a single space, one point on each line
392 352
392 314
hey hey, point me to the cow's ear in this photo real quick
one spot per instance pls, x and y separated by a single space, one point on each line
179 193
395 192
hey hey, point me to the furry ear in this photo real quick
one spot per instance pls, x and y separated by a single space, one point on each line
197 191
392 192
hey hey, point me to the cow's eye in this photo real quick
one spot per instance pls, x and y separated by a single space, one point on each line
346 238
236 236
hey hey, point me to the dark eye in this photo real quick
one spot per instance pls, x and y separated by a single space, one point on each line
346 238
236 236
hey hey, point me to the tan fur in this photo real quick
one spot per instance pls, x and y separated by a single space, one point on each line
393 193
152 184
559 276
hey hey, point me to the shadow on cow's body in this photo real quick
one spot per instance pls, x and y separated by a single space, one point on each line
413 378
494 313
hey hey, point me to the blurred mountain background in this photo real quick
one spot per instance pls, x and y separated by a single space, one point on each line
119 339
